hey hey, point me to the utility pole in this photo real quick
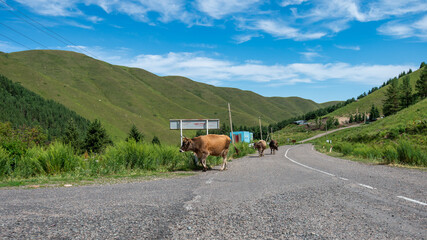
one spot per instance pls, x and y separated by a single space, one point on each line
260 129
231 123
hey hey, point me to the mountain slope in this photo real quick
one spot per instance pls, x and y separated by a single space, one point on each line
364 104
121 96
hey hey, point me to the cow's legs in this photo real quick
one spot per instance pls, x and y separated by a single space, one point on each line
203 160
224 160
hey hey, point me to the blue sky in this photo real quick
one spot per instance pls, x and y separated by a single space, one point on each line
321 50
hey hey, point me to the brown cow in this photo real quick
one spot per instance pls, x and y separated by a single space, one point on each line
203 146
274 146
261 145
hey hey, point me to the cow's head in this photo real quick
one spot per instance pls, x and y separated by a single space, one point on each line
186 145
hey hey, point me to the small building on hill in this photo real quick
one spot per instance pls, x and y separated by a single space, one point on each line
242 136
301 122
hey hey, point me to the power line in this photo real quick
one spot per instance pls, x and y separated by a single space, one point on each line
14 41
25 36
45 29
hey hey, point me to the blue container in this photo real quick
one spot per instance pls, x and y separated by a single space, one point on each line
243 136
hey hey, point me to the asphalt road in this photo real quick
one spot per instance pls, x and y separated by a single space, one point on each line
296 194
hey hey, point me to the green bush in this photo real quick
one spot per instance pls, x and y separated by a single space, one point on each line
29 164
366 151
5 163
409 154
390 154
344 148
58 158
133 155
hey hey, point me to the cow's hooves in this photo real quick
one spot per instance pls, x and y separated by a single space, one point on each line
204 169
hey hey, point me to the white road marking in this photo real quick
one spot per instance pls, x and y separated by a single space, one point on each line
412 200
314 169
366 186
345 179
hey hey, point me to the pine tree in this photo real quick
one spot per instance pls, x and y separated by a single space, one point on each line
96 137
391 103
71 135
155 140
405 96
421 85
351 119
374 113
135 134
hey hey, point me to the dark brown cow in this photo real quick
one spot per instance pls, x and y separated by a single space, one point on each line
274 146
261 145
203 146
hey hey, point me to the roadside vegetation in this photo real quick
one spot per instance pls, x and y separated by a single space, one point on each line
399 136
38 164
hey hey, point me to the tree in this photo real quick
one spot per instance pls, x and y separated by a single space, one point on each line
405 96
422 65
318 122
330 123
391 103
351 119
135 134
421 84
374 113
155 140
71 135
96 137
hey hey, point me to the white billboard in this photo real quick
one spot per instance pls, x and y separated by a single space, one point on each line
193 124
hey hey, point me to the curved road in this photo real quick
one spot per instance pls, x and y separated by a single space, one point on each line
296 194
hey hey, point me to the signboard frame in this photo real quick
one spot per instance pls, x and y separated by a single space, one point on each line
193 124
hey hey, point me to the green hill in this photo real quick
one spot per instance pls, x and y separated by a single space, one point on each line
398 138
121 96
364 104
22 107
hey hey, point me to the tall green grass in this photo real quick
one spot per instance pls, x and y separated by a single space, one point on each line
59 159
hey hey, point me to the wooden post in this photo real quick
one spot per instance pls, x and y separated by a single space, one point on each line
207 126
231 123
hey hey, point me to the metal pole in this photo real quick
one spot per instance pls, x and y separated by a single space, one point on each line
207 126
260 129
231 123
180 127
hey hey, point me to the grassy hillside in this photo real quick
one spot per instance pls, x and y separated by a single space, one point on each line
364 104
22 107
399 138
121 96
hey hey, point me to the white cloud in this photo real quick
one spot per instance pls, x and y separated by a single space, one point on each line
220 8
310 55
244 38
281 30
53 7
218 71
286 3
307 20
398 29
8 47
355 48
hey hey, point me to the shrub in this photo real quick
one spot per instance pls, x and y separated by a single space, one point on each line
29 164
390 154
131 155
5 163
409 154
344 148
58 158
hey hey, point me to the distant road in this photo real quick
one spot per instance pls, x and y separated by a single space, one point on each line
330 131
296 194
